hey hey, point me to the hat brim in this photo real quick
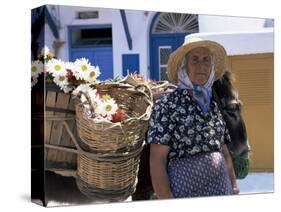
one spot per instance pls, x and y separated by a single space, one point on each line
218 53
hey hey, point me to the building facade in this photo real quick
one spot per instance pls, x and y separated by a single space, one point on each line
134 41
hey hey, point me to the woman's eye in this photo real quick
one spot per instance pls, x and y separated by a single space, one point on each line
206 60
194 60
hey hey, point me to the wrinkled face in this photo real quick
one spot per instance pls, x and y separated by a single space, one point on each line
199 65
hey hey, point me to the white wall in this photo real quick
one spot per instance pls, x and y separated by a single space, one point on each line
49 38
241 43
214 23
106 16
139 24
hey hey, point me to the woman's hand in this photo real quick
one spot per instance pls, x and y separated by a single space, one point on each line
158 172
235 189
231 172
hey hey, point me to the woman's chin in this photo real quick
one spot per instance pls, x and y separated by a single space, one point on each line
200 82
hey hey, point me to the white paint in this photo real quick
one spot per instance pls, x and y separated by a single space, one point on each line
139 26
48 40
239 43
214 23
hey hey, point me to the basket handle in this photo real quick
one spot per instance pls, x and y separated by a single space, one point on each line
143 88
165 84
79 150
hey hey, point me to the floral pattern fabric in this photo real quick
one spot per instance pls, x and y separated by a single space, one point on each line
177 121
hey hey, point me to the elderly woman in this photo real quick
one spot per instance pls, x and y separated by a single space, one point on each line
187 133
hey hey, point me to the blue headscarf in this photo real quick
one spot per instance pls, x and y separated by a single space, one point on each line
201 94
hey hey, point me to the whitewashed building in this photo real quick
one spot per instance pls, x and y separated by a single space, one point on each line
131 40
122 41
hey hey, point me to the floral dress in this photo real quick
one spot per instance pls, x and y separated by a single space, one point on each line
196 166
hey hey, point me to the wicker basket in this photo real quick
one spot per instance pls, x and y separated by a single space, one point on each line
59 107
162 88
110 176
110 168
107 136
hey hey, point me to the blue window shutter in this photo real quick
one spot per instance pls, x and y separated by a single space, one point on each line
130 64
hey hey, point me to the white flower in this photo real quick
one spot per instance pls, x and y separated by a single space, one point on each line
106 107
70 66
84 88
160 129
36 68
33 81
93 74
211 123
205 148
212 132
56 67
198 137
190 131
92 94
45 51
93 98
166 137
67 89
100 118
182 110
82 68
182 128
61 80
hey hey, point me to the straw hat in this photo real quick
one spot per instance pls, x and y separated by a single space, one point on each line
217 50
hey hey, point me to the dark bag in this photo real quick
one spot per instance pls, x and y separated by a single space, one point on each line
227 99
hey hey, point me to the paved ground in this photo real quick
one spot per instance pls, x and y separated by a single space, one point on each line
257 182
63 190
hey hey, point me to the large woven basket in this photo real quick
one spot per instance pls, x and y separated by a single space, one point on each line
110 177
110 168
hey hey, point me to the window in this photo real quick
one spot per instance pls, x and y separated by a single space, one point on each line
164 53
94 37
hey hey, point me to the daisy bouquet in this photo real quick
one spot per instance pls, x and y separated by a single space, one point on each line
100 107
37 66
67 75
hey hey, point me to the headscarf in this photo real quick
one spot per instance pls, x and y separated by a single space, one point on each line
201 94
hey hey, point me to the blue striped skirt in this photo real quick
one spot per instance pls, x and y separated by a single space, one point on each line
203 174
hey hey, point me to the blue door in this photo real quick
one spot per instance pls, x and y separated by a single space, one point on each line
101 57
161 48
93 42
130 63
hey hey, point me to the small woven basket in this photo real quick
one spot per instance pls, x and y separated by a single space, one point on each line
120 136
111 169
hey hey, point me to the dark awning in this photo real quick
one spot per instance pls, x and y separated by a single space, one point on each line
126 28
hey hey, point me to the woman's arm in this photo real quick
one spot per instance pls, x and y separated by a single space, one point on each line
158 172
230 168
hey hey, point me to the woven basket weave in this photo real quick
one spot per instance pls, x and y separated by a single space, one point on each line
162 88
108 176
111 172
107 136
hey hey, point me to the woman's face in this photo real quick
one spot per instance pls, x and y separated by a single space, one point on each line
199 65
